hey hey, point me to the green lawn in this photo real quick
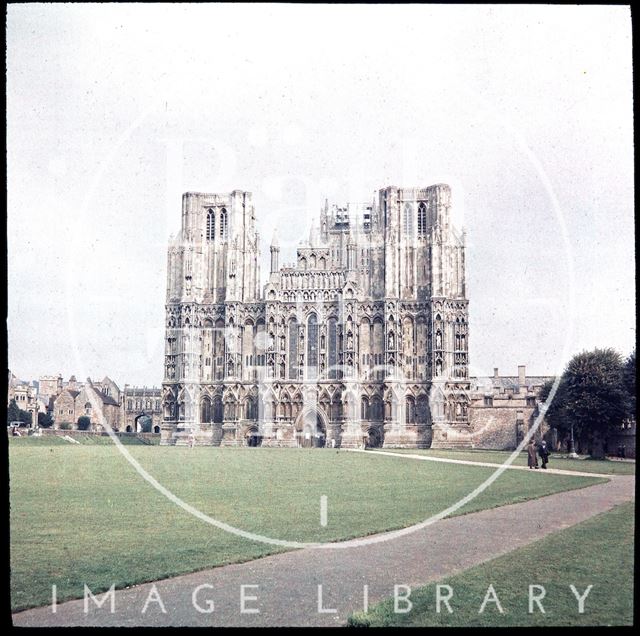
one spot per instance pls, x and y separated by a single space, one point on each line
557 460
597 552
81 514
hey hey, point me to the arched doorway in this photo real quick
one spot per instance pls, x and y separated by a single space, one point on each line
143 423
128 429
156 429
376 437
252 437
311 431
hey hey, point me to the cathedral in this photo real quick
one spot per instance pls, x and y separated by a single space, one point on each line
362 342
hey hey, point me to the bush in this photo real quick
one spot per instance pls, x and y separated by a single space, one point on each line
84 423
44 420
65 426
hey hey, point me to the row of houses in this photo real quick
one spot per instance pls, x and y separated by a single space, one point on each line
132 409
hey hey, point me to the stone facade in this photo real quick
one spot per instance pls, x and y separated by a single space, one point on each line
363 340
26 396
504 408
50 386
87 400
141 409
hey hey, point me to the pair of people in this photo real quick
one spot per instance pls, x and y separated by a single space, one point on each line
543 451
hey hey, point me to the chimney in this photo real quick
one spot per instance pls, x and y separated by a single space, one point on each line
522 375
495 372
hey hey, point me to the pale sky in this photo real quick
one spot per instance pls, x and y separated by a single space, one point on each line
114 110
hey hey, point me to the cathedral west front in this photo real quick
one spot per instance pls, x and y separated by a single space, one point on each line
362 342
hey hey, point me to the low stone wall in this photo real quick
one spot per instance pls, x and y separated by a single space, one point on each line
74 433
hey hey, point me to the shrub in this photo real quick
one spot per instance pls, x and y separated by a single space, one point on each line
84 423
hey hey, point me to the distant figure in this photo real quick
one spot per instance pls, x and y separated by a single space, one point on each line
192 440
533 458
544 454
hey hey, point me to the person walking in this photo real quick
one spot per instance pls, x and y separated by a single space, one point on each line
532 456
543 451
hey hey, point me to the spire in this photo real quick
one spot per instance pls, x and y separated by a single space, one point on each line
274 240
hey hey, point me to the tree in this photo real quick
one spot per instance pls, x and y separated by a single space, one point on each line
556 414
629 382
84 423
44 420
592 397
16 414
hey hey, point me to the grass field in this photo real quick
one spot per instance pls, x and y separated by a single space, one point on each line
560 461
597 552
81 514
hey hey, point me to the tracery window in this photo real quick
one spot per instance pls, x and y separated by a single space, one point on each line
211 225
408 220
293 349
223 224
205 415
312 346
410 410
422 219
332 348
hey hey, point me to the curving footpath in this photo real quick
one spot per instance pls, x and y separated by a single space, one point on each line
287 584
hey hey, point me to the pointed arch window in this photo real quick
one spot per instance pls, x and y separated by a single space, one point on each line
205 414
408 220
410 410
293 349
422 219
364 409
224 224
332 348
312 346
211 225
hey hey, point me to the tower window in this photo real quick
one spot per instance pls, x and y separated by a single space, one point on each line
408 220
223 224
211 225
422 219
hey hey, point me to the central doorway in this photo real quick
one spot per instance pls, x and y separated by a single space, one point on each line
311 431
253 437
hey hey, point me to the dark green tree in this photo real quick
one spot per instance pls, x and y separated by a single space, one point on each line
629 381
591 396
16 414
44 420
84 423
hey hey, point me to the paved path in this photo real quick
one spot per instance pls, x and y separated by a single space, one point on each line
287 592
468 462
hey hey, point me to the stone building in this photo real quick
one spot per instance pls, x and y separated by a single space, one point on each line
87 400
363 340
504 408
141 409
50 386
26 396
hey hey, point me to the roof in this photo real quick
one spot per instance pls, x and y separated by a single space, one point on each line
106 399
74 394
488 383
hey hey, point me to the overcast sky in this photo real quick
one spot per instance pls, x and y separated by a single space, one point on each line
114 110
